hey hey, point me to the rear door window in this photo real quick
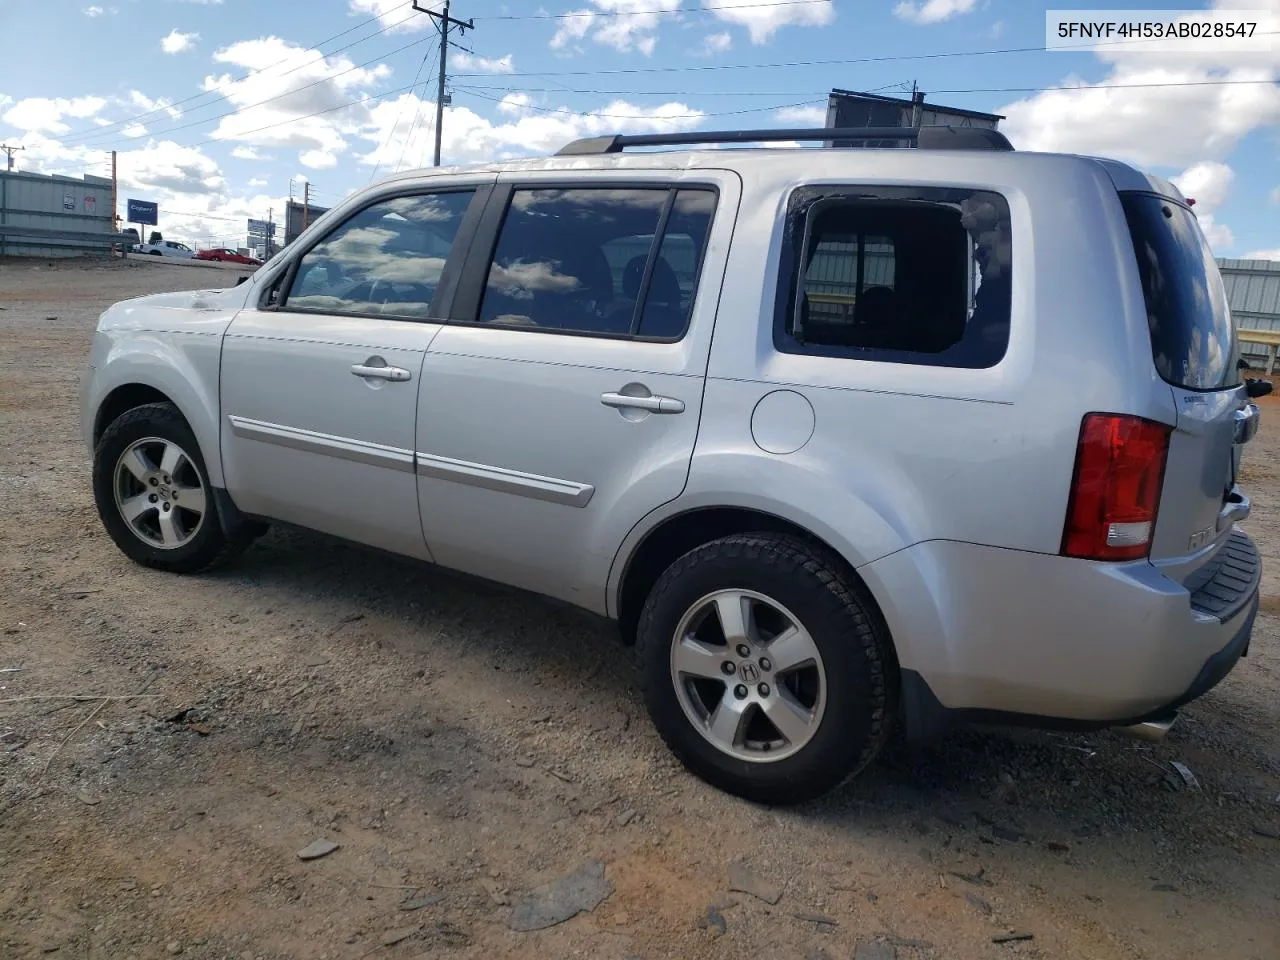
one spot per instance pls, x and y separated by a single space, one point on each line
602 261
1193 340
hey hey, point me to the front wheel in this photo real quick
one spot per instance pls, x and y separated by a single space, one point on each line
766 668
153 493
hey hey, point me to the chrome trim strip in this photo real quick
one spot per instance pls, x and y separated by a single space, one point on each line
506 481
343 448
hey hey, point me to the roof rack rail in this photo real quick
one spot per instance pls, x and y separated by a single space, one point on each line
925 138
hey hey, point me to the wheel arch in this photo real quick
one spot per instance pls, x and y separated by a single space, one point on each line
121 400
151 368
675 535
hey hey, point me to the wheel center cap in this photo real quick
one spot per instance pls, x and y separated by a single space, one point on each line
749 672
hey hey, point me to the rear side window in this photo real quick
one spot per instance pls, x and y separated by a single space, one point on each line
1193 340
608 261
895 274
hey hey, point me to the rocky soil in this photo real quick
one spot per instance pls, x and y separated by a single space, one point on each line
469 772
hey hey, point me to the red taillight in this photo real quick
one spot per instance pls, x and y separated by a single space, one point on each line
1116 488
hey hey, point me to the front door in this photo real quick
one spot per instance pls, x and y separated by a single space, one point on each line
561 403
319 384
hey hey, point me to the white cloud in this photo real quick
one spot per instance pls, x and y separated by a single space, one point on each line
1208 183
526 131
256 182
1170 121
318 159
460 60
177 42
716 43
134 130
139 99
316 84
932 11
515 103
811 116
1272 254
635 28
41 114
247 153
93 11
394 13
762 21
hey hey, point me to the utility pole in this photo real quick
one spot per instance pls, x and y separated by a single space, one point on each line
306 203
9 151
443 19
917 101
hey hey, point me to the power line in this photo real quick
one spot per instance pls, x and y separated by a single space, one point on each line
841 61
643 116
396 124
279 96
644 13
801 93
165 107
417 116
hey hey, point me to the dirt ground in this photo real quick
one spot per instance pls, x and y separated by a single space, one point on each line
464 744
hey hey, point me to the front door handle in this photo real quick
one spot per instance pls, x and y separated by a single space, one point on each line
652 404
394 374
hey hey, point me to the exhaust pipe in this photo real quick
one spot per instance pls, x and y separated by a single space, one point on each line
1153 731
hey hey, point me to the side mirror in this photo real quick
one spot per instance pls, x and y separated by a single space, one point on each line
1257 388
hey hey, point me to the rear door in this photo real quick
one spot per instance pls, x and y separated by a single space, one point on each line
1193 343
560 404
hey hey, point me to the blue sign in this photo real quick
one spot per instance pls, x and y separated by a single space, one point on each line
142 211
261 228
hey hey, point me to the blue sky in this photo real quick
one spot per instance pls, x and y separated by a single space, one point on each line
215 105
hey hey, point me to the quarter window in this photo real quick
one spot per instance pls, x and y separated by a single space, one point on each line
385 260
606 261
900 275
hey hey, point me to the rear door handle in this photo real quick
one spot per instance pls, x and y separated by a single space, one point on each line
621 401
394 374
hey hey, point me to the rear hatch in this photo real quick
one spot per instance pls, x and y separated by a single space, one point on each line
1194 346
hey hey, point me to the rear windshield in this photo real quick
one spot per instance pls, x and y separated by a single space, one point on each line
1193 341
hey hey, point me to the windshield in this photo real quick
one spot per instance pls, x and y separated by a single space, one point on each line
1193 340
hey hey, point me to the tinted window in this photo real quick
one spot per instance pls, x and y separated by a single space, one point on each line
924 278
580 260
1193 340
674 279
386 259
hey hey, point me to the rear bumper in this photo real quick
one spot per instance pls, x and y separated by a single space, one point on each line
1009 636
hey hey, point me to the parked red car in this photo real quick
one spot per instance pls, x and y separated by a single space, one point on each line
227 255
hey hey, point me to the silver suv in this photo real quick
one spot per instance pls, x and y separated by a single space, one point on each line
840 437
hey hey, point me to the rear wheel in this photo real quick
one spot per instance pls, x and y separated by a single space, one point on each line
765 667
153 494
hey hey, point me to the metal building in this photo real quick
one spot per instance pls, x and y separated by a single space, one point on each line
294 216
848 108
1253 293
54 216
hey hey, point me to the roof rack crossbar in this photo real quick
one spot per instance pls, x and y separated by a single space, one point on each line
925 138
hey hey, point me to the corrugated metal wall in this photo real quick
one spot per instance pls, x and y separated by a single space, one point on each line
1253 293
52 203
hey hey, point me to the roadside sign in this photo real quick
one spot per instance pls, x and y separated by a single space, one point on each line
143 211
261 228
68 201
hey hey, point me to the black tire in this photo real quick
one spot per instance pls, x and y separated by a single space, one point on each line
846 628
155 253
210 546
